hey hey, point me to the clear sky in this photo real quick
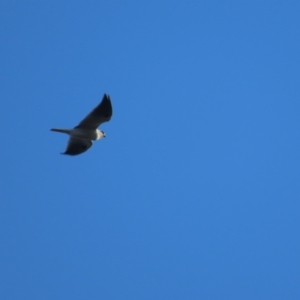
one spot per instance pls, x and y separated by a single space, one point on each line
194 193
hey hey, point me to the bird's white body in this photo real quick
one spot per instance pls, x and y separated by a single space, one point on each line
80 133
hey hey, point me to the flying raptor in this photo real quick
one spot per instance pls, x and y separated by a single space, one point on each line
86 131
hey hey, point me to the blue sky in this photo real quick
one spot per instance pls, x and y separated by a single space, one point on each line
194 194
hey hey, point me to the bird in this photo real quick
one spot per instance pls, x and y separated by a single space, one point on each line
83 135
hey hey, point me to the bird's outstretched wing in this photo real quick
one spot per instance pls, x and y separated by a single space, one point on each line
77 146
100 114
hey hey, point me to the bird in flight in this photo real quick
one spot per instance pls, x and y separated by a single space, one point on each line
86 131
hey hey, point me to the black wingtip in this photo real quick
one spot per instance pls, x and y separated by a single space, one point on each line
106 97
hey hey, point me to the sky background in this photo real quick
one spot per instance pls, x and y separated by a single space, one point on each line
195 192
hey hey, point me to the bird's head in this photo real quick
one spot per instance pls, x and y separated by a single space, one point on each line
103 133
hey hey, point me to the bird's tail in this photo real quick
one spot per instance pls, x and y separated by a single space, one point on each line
61 130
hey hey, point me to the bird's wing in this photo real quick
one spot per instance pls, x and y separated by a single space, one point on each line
77 146
100 114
